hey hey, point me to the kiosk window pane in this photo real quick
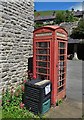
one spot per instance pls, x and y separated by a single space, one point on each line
48 77
42 70
61 44
42 51
60 89
60 83
61 57
42 64
62 76
43 44
61 63
61 51
43 77
44 58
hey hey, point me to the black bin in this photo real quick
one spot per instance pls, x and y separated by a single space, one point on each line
37 96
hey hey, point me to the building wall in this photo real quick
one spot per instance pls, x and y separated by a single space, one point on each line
16 23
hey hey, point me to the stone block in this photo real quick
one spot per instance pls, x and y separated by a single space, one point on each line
16 37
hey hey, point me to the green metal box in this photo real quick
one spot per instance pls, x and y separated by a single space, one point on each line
46 106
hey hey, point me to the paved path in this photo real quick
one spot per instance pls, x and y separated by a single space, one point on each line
74 80
72 105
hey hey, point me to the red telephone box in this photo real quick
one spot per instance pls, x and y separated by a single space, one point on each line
50 57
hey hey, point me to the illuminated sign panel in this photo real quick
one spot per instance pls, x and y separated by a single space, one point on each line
60 34
43 34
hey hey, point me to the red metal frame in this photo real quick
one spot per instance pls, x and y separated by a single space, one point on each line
55 36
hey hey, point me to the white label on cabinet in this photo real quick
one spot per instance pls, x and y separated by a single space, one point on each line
47 89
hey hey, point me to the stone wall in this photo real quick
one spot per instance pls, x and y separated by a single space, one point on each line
16 34
69 26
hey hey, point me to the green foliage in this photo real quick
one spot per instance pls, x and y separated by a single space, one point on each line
61 16
0 112
37 25
65 16
78 32
82 117
59 102
11 105
43 13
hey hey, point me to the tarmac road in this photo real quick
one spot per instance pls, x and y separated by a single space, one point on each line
74 80
72 105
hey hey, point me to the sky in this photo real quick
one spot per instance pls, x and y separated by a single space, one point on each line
44 6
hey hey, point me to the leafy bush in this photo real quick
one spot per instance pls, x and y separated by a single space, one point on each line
12 101
12 106
78 32
59 102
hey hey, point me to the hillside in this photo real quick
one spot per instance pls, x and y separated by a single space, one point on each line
53 17
46 13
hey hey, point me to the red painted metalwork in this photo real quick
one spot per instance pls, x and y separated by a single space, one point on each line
50 58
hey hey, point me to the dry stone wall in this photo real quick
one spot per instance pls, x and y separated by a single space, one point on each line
16 34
